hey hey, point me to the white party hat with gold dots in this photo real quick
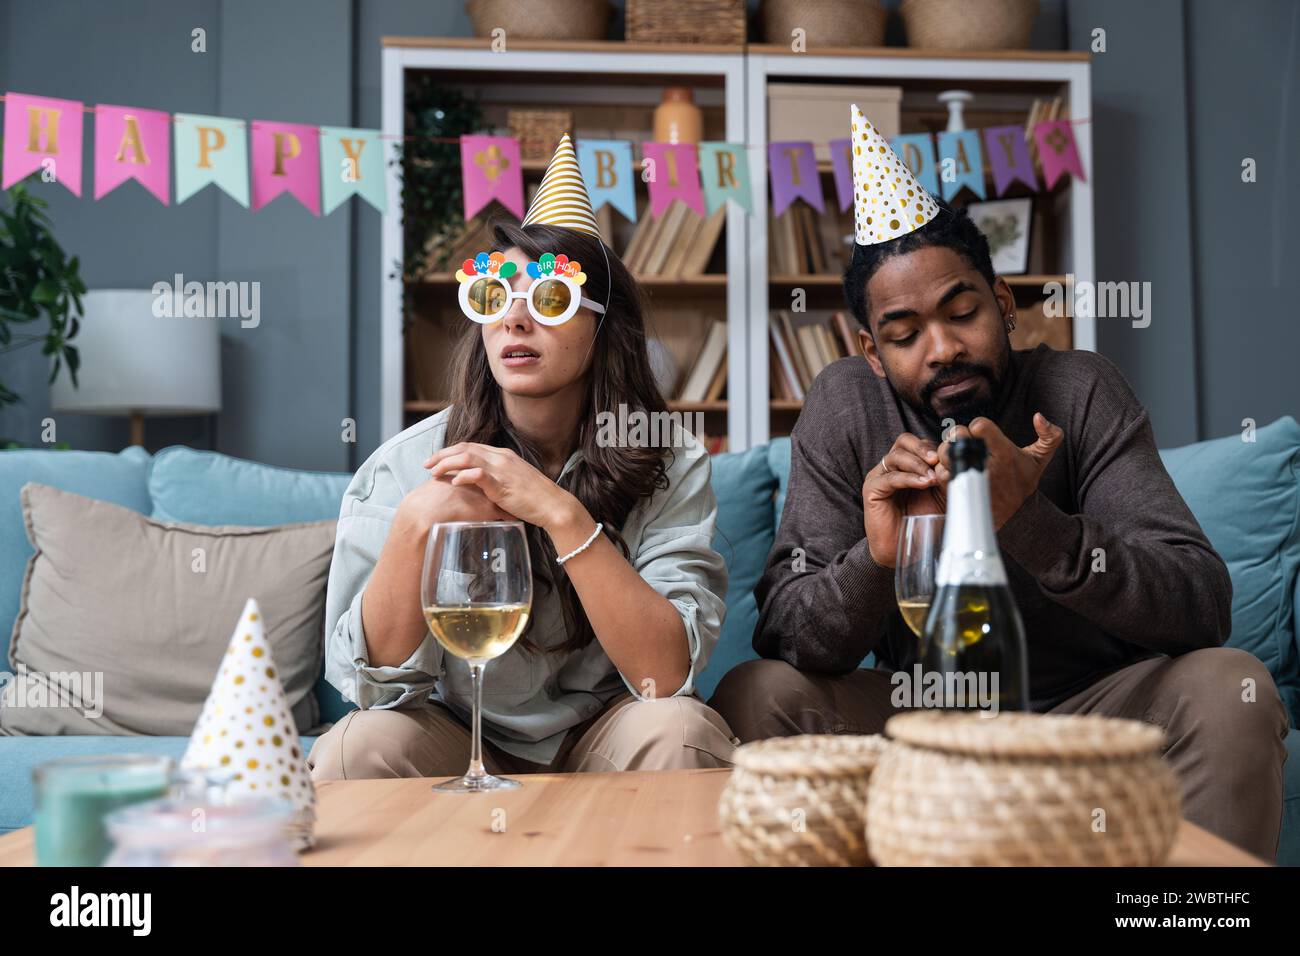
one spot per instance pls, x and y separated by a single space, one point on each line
562 198
888 202
246 730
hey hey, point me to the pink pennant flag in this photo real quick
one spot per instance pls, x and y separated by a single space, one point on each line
490 169
132 143
1057 150
286 158
42 134
675 175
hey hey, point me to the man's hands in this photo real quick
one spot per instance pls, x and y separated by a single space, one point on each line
1013 472
913 479
906 481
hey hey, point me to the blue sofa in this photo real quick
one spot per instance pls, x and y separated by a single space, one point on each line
1245 494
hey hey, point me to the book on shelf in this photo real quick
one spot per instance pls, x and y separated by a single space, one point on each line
797 240
801 351
677 244
712 354
792 388
706 240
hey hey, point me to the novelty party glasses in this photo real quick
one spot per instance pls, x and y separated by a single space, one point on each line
553 297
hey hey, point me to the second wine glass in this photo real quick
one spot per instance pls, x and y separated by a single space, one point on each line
920 540
477 593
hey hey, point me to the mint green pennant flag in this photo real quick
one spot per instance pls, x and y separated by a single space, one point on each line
351 162
724 171
211 149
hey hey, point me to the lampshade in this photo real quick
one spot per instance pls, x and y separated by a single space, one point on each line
135 362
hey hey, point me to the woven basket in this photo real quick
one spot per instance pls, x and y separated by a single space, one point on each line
799 801
685 21
825 22
1021 790
540 19
538 131
969 24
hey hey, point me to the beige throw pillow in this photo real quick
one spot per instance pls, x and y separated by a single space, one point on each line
124 619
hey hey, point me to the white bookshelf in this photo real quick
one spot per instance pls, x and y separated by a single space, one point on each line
737 82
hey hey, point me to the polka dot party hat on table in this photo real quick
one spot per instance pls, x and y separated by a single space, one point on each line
246 731
888 202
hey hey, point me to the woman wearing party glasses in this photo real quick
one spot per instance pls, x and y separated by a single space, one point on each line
628 592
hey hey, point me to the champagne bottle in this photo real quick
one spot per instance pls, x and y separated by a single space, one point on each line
973 647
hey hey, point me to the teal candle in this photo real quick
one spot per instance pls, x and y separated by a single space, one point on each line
73 795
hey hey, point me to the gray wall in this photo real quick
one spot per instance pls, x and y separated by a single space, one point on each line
1184 91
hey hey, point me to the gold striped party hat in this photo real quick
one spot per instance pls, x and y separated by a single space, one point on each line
562 198
888 202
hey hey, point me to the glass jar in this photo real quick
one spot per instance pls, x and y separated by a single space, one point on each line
74 794
185 831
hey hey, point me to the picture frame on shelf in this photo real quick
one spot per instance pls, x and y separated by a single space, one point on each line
1007 224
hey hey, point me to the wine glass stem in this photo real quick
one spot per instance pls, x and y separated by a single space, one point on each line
476 744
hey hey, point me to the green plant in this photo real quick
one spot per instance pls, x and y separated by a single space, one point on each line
432 196
37 280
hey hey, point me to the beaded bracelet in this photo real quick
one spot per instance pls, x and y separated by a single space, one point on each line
583 547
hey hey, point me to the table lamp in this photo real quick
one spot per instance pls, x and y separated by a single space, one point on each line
135 363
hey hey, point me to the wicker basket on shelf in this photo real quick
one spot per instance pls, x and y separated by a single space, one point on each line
685 21
969 24
799 801
825 22
540 19
538 131
1021 790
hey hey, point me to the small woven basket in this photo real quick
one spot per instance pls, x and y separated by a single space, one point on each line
969 24
538 131
685 21
1021 790
540 19
825 22
800 801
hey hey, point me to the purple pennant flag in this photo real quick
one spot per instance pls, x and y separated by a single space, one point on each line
1057 150
793 170
1008 154
842 163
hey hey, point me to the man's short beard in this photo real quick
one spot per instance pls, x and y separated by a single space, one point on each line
964 412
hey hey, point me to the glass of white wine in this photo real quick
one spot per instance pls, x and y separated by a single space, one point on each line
919 542
477 593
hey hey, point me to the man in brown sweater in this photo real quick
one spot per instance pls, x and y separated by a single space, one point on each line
1125 603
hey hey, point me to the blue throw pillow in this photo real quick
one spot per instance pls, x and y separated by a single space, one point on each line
206 487
1246 497
120 478
744 486
778 460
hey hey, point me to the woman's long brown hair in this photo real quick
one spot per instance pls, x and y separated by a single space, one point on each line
608 481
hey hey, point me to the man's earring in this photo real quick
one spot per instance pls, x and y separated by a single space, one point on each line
1011 321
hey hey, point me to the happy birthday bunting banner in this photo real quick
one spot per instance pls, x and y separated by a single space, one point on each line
674 173
917 151
1057 150
792 168
286 158
42 134
351 163
724 172
131 143
211 149
490 169
842 166
1008 155
607 173
960 152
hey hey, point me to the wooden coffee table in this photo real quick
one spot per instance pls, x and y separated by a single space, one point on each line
661 818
